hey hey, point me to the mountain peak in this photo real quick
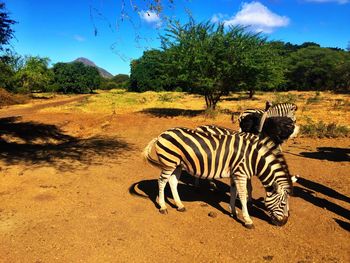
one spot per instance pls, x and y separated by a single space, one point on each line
103 73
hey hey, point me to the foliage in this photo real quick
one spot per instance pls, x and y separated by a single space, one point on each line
149 72
321 130
119 81
75 78
207 59
6 23
120 78
284 98
34 75
316 68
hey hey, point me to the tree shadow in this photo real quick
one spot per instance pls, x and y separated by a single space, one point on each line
325 190
42 144
309 193
148 189
333 154
172 112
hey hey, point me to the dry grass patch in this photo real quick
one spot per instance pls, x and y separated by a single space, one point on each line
320 106
7 98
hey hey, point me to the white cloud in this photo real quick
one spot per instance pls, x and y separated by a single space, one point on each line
329 1
258 17
79 38
218 17
151 17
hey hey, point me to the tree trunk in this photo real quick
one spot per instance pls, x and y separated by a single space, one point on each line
251 93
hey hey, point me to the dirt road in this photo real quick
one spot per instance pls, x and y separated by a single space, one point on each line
65 197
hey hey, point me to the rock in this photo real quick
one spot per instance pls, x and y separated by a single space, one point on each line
212 214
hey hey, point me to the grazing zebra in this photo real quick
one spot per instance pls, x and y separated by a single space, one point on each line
213 129
238 156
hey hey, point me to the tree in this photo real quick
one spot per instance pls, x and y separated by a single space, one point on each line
315 68
75 77
120 78
35 74
213 60
149 72
6 31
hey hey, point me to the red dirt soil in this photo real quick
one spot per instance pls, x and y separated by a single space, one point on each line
65 197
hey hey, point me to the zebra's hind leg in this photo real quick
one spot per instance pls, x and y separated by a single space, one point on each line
233 196
163 179
241 185
173 182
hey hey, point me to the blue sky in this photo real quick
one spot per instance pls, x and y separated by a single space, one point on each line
111 34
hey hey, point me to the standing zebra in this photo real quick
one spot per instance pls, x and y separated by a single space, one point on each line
277 122
237 156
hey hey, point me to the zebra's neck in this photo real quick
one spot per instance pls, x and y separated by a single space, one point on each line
271 167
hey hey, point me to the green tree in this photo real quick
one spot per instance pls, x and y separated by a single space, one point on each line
315 68
120 78
6 23
34 75
75 78
149 72
213 60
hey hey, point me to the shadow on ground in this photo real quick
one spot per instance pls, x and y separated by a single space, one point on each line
309 192
172 112
329 153
42 144
148 189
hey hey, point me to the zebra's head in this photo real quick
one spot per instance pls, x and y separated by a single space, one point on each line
276 202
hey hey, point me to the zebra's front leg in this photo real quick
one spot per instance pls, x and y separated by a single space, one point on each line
250 190
241 185
173 182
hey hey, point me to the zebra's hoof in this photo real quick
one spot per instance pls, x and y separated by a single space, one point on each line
182 209
163 211
249 226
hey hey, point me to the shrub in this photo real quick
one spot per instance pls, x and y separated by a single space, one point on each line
7 98
321 130
315 99
285 98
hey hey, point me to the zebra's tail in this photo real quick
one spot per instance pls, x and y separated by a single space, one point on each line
149 154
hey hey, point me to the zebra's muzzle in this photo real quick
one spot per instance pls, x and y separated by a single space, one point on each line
278 222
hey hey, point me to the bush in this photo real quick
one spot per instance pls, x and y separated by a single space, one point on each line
285 98
321 130
315 99
76 77
7 98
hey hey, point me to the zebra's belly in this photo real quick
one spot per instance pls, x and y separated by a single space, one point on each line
213 173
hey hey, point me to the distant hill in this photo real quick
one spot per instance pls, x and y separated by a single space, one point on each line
104 73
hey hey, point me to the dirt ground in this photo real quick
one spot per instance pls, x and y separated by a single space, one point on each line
66 184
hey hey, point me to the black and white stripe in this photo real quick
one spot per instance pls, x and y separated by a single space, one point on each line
238 156
282 110
278 122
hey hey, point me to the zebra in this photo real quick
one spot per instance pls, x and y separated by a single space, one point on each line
248 112
214 129
277 121
238 156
